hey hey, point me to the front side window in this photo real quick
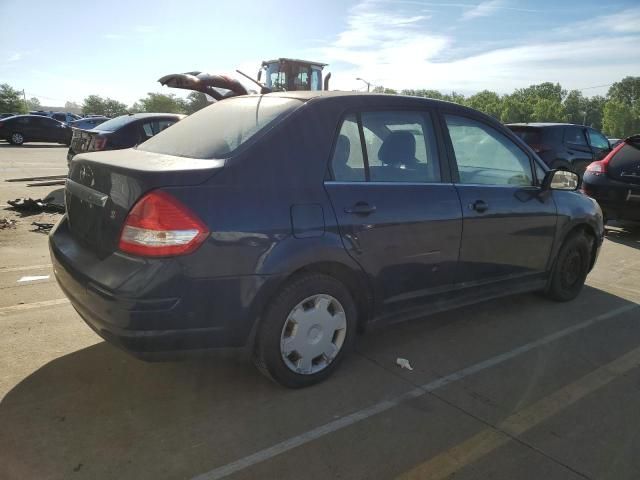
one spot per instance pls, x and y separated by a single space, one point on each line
598 140
316 76
485 156
575 135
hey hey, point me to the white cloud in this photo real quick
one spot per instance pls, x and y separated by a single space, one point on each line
402 51
113 36
145 28
15 57
483 9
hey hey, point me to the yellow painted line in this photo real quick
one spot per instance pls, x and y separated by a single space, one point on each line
25 268
447 463
32 306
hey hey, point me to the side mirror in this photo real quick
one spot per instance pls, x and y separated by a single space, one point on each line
561 180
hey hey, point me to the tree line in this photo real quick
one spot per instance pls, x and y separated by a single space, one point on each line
12 101
617 114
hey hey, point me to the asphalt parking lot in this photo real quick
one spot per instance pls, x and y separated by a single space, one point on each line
517 388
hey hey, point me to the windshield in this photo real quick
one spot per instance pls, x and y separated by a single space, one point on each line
275 78
115 123
221 128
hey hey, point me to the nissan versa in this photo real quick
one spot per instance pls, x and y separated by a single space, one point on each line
285 223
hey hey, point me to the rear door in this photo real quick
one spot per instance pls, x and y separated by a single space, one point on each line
578 149
398 213
508 226
52 130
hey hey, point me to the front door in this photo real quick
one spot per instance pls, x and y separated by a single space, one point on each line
397 217
578 149
508 224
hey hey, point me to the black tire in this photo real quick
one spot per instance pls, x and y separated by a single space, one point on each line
571 268
267 355
16 138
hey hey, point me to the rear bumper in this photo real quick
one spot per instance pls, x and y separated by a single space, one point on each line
153 308
618 200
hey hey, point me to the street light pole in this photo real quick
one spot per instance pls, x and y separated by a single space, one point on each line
24 97
368 83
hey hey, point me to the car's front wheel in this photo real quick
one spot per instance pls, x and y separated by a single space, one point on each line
571 268
306 331
16 139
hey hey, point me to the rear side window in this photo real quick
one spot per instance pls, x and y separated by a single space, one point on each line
575 135
485 156
116 123
626 161
529 136
400 147
347 162
217 130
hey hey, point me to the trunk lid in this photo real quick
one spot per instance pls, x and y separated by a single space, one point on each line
83 140
103 186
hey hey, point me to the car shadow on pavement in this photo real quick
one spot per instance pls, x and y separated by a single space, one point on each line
625 234
99 413
35 145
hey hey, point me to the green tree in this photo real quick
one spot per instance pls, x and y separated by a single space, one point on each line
114 108
546 90
619 120
11 100
626 91
93 105
435 94
162 103
595 111
515 110
195 101
576 106
33 103
487 102
547 110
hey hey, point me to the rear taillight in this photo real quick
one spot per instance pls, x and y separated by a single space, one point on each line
161 226
100 143
600 167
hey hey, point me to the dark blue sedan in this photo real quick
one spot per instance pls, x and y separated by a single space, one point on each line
285 223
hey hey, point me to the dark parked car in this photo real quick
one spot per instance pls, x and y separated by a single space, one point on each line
615 181
34 128
88 123
284 223
66 117
562 145
124 131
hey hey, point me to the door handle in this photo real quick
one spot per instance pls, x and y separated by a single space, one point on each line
479 206
361 208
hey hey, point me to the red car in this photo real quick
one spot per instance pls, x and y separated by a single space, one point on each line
614 181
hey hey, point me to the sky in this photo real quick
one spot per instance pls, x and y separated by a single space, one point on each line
64 51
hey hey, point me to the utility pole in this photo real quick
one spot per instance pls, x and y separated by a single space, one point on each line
24 97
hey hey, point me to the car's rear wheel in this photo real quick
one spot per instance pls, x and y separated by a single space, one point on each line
306 331
571 268
16 138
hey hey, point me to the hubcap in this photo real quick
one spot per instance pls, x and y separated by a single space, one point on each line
17 138
313 334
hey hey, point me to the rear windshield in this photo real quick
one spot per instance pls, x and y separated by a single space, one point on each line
627 159
115 123
217 130
528 135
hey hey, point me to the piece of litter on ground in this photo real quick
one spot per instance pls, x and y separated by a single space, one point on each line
7 223
33 278
403 363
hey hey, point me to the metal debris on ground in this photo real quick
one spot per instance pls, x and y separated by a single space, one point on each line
53 203
403 363
42 227
7 223
47 183
37 179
